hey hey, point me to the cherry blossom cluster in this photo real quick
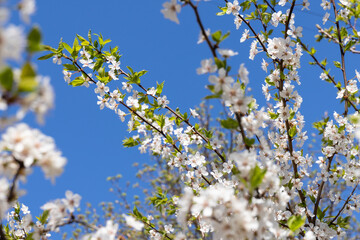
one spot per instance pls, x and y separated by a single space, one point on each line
107 232
19 221
228 215
23 147
57 213
266 185
60 210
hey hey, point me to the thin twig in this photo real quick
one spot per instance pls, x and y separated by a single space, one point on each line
11 195
342 53
212 47
318 198
346 202
242 131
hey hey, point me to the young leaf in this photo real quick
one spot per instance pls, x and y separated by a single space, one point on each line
295 222
7 78
229 123
47 56
77 82
27 79
34 40
256 176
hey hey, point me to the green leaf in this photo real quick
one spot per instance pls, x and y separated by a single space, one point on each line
337 64
225 36
256 177
130 142
312 51
67 47
89 35
223 11
292 115
7 78
296 222
47 56
98 64
77 82
216 36
159 88
321 214
130 69
343 222
48 48
229 123
142 72
43 217
249 141
312 198
83 41
273 115
34 40
169 139
218 95
106 41
70 67
292 131
27 79
219 63
137 213
75 44
76 48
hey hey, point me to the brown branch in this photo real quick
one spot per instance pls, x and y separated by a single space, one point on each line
324 69
212 47
287 124
11 195
71 220
261 18
2 234
242 131
253 31
346 202
153 228
318 198
269 5
342 53
289 17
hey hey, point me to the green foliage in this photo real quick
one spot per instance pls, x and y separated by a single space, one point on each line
77 82
43 217
34 40
256 177
229 123
295 222
218 37
7 78
28 81
292 131
130 142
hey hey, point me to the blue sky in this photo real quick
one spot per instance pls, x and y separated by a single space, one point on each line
91 139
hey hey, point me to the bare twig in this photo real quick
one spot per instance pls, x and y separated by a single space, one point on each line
318 198
211 46
342 53
343 207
